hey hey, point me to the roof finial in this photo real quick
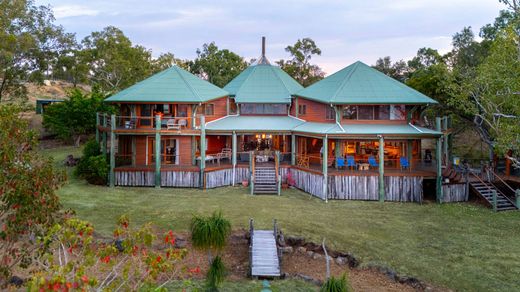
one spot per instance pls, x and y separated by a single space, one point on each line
263 59
263 46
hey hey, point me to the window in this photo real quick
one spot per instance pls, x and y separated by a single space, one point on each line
263 109
210 108
331 113
182 110
350 112
397 112
365 112
302 109
382 112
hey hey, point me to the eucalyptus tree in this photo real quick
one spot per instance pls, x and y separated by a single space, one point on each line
299 66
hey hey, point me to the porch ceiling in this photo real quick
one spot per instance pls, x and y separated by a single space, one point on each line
254 123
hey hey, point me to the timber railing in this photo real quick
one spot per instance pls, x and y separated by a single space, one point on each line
251 232
252 166
492 190
171 123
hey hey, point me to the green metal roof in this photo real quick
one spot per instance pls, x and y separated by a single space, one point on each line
254 123
263 83
171 85
364 129
362 84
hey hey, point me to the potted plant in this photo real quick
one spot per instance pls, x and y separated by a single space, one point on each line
289 179
245 183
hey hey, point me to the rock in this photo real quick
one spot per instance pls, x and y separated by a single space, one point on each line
310 253
281 239
47 82
309 279
353 262
70 161
295 240
314 247
180 242
287 249
301 249
317 256
341 261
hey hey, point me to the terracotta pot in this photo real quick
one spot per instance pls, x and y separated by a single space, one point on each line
285 186
245 183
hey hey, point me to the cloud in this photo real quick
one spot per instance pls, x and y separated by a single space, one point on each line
65 11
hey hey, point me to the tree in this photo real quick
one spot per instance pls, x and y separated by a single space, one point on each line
210 233
76 116
398 70
217 66
299 67
28 203
113 62
29 46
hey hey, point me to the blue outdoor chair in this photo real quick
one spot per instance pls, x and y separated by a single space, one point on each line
340 162
351 162
372 161
404 163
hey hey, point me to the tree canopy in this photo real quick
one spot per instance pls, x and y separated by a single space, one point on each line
299 66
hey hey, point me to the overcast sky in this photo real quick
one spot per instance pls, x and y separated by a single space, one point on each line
346 31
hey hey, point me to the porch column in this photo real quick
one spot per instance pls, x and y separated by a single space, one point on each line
234 155
104 137
193 116
337 151
381 168
202 150
133 150
293 149
97 127
157 151
325 156
193 150
409 149
296 109
445 141
111 177
438 154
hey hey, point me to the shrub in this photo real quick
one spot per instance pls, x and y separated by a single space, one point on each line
336 285
216 274
93 165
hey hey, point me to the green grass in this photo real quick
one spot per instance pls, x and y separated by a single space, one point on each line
460 246
245 286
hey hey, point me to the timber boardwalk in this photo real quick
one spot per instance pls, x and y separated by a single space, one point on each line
264 255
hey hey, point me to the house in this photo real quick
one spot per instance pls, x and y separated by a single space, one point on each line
356 134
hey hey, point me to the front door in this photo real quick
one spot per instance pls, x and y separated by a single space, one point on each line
169 151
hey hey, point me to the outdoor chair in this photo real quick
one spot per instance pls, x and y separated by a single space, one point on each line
183 123
351 162
340 162
372 161
404 163
171 125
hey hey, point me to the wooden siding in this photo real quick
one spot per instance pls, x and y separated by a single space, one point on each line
306 181
217 142
403 188
140 150
353 188
184 179
315 112
224 177
219 109
134 178
455 192
184 150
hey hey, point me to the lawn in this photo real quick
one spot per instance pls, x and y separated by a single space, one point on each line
460 246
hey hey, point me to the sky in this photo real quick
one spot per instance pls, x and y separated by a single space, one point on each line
346 31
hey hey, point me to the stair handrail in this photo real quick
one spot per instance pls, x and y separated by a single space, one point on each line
501 180
490 189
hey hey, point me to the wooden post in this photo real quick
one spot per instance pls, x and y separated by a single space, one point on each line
325 156
97 127
193 150
278 176
445 141
157 151
234 155
517 198
409 154
337 151
494 193
296 107
111 178
194 116
438 157
381 168
133 150
202 150
251 172
293 149
104 137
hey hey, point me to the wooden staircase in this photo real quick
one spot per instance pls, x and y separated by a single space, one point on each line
485 189
265 180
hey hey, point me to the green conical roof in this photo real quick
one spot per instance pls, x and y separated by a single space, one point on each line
362 84
171 85
263 83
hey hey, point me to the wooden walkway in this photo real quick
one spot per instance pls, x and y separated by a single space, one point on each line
264 256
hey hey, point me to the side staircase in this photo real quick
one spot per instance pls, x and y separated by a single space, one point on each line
485 189
265 181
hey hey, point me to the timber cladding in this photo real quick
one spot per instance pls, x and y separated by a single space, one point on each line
219 109
184 150
314 111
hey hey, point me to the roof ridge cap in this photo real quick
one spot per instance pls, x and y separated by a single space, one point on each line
344 82
187 83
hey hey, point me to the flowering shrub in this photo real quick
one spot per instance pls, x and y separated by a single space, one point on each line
74 259
28 203
289 178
